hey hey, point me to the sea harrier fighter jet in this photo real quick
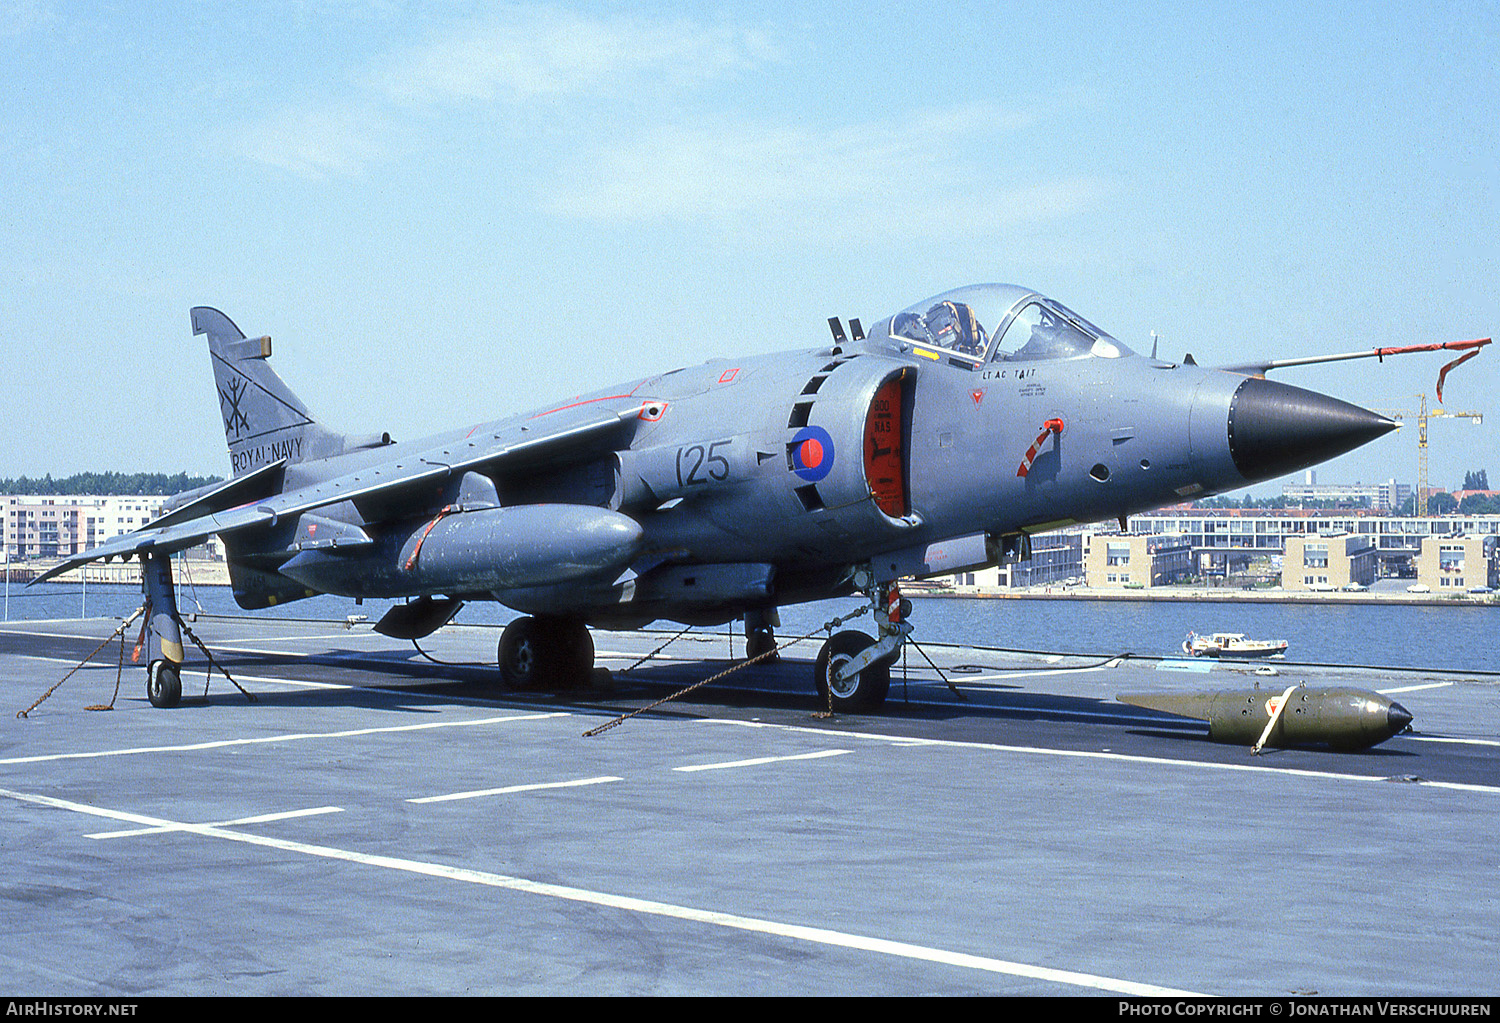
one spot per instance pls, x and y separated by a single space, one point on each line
938 441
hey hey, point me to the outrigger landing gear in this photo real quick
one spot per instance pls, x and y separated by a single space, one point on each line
163 684
162 633
545 653
853 671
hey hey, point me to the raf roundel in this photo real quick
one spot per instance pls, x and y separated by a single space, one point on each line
812 453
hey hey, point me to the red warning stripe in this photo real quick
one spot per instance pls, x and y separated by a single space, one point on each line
411 561
893 604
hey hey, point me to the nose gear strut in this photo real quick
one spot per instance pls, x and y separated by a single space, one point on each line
842 669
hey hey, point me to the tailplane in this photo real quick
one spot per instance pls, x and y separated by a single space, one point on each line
264 422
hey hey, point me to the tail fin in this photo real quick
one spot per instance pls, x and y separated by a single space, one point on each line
264 421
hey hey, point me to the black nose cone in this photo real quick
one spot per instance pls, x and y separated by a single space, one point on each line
1397 718
1275 428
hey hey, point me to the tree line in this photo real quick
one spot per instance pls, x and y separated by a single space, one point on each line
1438 502
133 484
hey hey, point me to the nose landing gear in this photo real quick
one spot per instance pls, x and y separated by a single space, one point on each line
844 686
853 671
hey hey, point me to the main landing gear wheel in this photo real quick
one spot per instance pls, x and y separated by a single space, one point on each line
760 633
163 684
862 692
545 653
761 640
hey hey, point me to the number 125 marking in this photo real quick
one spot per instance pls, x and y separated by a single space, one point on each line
702 464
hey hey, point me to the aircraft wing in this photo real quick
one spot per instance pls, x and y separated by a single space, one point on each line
556 435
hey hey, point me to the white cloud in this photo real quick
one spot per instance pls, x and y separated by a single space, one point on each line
333 140
937 174
25 17
514 56
534 51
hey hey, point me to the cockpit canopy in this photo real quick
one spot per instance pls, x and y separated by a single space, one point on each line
995 323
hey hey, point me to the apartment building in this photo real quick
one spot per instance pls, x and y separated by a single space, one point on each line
1388 497
38 526
1455 564
1327 561
1137 560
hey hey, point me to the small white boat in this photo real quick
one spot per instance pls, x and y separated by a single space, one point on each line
1232 644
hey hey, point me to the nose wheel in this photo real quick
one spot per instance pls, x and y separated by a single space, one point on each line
842 690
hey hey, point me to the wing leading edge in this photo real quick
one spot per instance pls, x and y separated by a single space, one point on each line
521 440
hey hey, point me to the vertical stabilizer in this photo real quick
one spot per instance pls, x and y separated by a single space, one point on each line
264 421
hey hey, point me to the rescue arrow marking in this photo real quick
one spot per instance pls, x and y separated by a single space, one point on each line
1051 426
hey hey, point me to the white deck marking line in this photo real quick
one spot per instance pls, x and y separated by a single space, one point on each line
34 633
288 737
405 692
1460 742
346 634
756 925
909 741
197 666
236 648
295 683
263 818
263 652
605 655
1412 689
29 633
507 790
412 692
763 760
962 680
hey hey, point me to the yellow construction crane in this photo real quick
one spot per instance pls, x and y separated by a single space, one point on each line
1423 414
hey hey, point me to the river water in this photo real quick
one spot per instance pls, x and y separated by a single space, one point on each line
1406 636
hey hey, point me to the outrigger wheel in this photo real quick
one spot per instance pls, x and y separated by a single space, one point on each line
861 692
545 653
163 684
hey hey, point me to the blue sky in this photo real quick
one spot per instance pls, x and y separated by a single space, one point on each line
448 212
